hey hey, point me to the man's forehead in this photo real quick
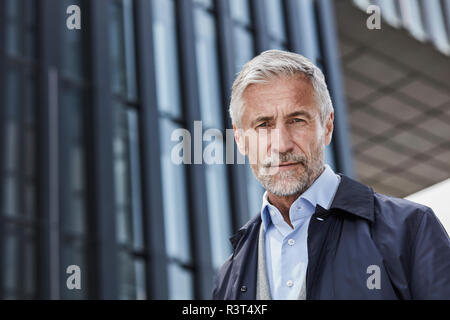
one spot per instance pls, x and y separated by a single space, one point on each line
284 81
288 111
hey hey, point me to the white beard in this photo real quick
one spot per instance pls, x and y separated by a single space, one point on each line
290 182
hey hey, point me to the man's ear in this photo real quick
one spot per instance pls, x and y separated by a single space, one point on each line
239 137
329 126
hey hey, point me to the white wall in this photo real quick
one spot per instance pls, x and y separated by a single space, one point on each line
437 197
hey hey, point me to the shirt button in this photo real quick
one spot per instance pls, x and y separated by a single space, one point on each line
289 283
291 242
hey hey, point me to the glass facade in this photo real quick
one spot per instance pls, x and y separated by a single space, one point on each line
18 189
87 124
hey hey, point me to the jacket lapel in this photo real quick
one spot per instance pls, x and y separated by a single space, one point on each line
245 262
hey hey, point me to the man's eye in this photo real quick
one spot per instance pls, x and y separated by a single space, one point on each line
298 120
262 125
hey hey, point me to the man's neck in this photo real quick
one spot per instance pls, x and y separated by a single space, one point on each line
284 203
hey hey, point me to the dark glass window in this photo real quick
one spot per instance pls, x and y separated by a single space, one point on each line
174 181
127 166
175 212
20 28
208 69
166 61
244 51
18 212
240 11
72 151
212 113
276 23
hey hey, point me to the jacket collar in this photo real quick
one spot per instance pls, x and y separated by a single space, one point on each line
355 198
351 196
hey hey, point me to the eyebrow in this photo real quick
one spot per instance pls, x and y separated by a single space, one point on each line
299 113
260 119
290 115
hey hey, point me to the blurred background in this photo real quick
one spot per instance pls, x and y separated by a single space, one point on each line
86 118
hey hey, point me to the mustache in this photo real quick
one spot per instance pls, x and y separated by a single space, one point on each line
284 157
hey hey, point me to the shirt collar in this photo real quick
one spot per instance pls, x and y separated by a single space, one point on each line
321 192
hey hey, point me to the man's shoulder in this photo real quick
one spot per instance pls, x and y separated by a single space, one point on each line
397 213
399 206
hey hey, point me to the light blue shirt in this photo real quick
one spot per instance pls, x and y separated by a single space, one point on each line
286 248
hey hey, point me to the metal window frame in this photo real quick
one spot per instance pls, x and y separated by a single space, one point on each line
236 174
2 122
199 226
83 86
153 211
48 281
24 68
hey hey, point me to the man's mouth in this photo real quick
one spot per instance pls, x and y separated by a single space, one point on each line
286 165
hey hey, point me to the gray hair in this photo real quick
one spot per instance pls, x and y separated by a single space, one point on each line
274 63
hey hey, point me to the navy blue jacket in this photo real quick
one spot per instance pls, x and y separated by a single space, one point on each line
362 229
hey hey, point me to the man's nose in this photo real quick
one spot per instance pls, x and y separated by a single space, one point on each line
281 140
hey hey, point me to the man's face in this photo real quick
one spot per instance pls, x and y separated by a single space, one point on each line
291 137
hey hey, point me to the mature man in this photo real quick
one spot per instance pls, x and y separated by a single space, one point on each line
319 235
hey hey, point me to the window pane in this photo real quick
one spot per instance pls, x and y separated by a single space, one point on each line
275 44
127 276
243 47
412 19
136 195
436 25
29 277
122 54
130 57
12 28
18 262
207 3
20 27
72 45
208 73
174 185
73 164
389 12
240 11
307 17
122 175
275 19
17 146
128 196
218 212
166 59
10 265
12 146
180 283
139 269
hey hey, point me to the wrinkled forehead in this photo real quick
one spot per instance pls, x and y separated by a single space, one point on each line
279 94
